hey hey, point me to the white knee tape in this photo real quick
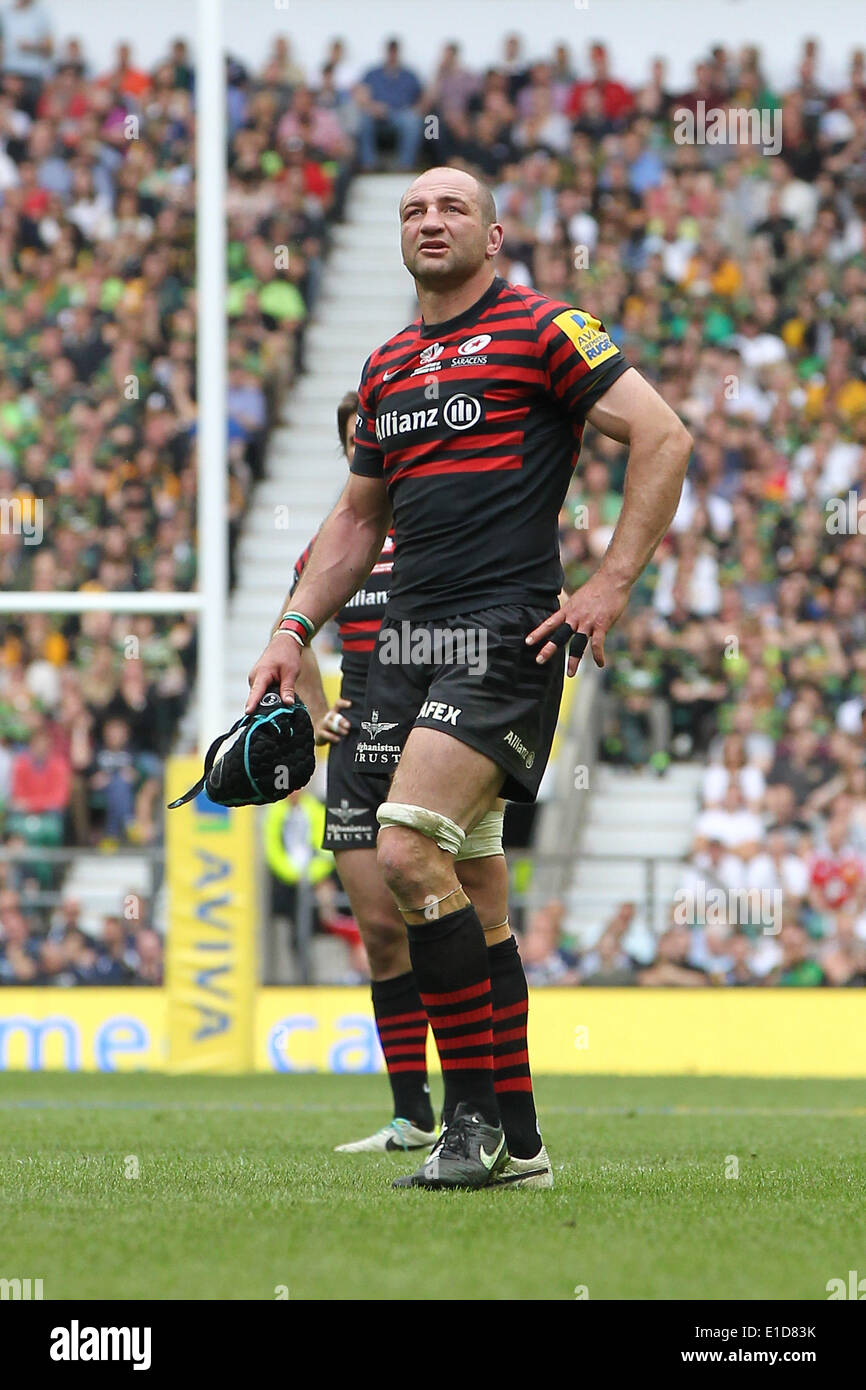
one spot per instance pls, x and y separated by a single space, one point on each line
485 839
447 833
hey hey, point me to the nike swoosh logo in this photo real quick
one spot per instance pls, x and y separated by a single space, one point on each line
519 1177
489 1159
386 376
394 1146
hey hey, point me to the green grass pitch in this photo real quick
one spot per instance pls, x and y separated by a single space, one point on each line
238 1193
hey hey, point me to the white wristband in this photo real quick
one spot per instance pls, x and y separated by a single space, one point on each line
288 632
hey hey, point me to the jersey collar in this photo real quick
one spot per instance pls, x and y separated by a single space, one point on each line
439 330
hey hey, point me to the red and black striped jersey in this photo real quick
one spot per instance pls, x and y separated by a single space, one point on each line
475 425
360 617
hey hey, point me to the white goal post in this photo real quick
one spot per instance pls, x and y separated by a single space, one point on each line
209 602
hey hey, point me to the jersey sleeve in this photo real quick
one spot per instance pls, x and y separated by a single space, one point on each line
368 460
580 359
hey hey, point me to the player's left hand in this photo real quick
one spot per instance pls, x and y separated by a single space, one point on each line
590 613
333 726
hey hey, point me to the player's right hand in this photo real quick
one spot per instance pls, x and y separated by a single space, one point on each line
333 726
591 612
278 664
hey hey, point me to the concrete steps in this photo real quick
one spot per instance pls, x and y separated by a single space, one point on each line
102 881
632 817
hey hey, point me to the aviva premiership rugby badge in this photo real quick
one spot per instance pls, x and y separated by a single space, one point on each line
588 336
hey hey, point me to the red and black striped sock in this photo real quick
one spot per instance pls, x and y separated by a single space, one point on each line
511 1075
402 1025
449 958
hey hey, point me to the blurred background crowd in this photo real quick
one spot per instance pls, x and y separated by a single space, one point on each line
735 280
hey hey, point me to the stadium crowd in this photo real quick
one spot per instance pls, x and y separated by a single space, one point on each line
63 952
735 279
98 422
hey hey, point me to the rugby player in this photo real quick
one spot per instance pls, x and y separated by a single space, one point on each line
352 799
468 431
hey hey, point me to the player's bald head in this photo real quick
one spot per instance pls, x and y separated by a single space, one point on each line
444 179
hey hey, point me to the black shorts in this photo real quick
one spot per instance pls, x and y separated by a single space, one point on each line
473 677
351 800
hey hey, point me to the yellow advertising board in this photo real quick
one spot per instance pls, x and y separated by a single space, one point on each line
212 929
573 1032
100 1029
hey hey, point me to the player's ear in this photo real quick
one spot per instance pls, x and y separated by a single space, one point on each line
494 239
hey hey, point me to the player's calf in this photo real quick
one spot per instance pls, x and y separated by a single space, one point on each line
485 879
449 959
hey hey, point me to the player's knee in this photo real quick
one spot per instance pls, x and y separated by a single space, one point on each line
404 859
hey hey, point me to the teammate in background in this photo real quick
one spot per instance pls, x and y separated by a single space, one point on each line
469 427
350 832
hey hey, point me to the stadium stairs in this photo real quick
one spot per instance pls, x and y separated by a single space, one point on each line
637 815
102 883
600 824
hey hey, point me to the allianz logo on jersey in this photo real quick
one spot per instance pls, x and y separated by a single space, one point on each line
365 597
459 412
520 748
